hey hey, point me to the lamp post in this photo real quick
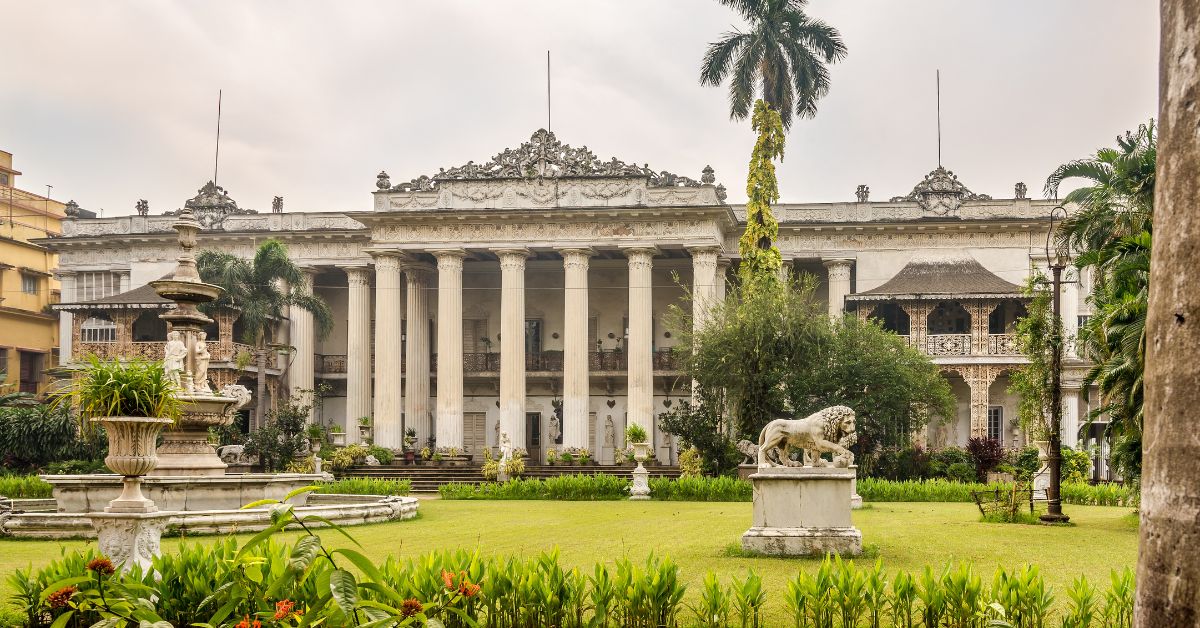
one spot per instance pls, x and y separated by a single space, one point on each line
1057 262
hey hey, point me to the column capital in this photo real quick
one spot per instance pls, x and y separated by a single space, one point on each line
387 260
415 271
637 250
448 252
512 258
576 251
723 263
450 260
839 269
358 276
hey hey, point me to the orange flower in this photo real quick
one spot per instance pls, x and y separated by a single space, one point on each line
256 624
468 589
283 608
101 566
411 607
245 623
448 578
61 597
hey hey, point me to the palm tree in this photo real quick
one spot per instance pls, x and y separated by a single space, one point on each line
262 289
782 59
1111 232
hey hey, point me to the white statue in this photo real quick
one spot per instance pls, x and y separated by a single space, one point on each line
828 430
555 430
238 392
610 433
200 379
506 448
175 354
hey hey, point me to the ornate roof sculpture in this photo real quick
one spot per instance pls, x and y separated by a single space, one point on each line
544 156
941 193
211 206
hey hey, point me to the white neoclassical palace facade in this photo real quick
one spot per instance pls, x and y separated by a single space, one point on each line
525 295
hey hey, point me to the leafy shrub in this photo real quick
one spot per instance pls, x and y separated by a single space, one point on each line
348 456
986 454
635 433
76 467
701 489
366 486
564 487
218 583
940 460
34 436
1075 465
961 472
908 463
282 439
691 465
24 487
1027 463
384 455
938 490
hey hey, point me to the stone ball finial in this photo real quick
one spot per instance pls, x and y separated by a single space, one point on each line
382 181
708 176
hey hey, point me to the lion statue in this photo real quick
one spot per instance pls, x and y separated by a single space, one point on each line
828 430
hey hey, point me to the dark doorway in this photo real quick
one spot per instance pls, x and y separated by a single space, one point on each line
533 436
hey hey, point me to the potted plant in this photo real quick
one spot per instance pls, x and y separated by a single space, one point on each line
635 435
551 456
426 454
585 457
134 401
567 458
437 458
364 428
316 436
337 436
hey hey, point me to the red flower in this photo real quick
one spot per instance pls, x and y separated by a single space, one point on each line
256 624
283 608
468 589
61 597
448 578
411 607
245 623
101 566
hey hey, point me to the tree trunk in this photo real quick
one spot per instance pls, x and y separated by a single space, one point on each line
260 412
1168 578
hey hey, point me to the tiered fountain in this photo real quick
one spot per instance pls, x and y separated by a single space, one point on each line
186 479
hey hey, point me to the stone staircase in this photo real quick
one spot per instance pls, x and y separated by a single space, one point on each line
426 478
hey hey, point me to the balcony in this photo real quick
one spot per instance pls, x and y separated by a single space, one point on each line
954 345
545 362
154 350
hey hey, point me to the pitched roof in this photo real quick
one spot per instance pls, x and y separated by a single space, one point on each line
139 298
938 277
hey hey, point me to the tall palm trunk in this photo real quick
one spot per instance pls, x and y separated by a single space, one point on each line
260 411
1168 591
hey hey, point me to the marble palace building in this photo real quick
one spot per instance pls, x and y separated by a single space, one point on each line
525 295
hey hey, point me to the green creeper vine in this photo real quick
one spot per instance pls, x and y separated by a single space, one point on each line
761 260
1031 382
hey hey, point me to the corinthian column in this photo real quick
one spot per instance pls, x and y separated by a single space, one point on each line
416 358
512 345
704 283
839 285
640 351
450 349
300 327
387 430
358 347
575 349
66 319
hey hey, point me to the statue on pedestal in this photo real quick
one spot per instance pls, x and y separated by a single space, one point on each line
829 430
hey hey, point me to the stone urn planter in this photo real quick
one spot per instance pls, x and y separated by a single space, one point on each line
364 433
641 477
641 452
132 453
337 439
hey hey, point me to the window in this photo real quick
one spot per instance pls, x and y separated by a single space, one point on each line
97 329
29 283
3 361
92 286
995 423
4 178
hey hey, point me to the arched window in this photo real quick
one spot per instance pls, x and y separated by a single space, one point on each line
1003 319
949 317
98 327
892 318
148 327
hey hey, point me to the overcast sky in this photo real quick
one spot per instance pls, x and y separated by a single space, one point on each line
114 101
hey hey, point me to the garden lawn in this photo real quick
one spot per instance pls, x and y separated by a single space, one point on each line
698 536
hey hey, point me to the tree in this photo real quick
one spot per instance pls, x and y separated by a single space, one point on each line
1111 232
765 353
262 289
783 57
1168 592
1031 382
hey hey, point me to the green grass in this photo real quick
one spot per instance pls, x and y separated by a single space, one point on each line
904 536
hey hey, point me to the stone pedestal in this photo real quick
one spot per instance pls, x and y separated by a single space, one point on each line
129 539
641 483
185 450
802 511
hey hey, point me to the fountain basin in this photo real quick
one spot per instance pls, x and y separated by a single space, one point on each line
91 493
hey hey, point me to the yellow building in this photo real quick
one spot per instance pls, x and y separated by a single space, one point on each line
28 328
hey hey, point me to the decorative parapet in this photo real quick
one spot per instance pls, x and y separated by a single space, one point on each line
129 225
544 172
902 211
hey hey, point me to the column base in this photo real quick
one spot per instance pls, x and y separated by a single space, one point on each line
803 541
